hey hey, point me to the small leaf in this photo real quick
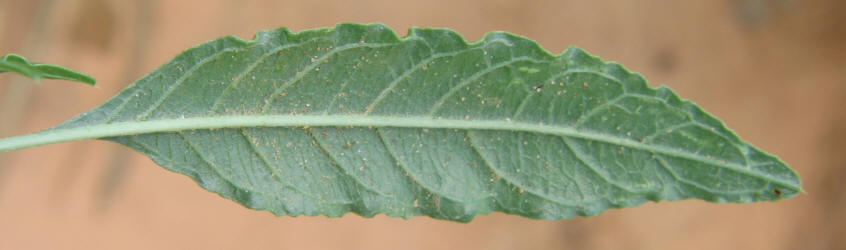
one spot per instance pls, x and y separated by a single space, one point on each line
19 64
355 119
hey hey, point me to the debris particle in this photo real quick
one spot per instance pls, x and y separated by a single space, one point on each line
537 88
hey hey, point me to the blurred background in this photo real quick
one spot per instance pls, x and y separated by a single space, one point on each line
772 70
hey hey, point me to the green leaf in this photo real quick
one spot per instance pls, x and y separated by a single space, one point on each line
19 64
355 119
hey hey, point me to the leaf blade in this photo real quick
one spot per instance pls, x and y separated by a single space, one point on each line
355 119
18 64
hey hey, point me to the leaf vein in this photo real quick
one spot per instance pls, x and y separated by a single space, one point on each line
508 179
249 69
466 81
405 75
590 165
317 62
337 164
179 82
275 170
401 165
214 166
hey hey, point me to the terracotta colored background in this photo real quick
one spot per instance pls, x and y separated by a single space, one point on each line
773 70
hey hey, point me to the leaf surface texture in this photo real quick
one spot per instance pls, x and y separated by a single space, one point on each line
355 119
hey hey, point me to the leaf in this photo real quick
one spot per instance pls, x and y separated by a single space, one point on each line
19 64
355 119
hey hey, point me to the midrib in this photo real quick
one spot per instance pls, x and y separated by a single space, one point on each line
219 122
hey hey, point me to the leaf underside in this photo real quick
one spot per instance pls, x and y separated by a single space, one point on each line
355 119
18 64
